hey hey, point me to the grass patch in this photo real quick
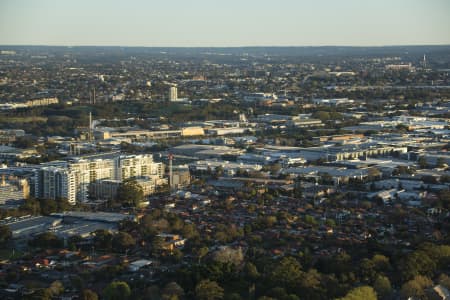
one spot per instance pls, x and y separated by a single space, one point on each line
22 119
172 109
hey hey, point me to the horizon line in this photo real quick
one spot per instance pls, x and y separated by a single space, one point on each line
240 46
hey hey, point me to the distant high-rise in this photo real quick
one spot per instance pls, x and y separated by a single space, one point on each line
173 93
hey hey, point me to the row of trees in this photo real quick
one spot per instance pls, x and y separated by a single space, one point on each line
34 206
120 290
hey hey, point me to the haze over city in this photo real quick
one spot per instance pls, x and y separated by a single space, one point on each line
224 23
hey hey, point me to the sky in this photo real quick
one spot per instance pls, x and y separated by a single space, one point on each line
224 23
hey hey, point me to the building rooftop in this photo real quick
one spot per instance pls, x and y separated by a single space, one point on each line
95 216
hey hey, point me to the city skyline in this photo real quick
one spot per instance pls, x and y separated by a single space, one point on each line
202 23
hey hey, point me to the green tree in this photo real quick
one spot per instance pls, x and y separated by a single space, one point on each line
172 290
382 286
417 263
416 287
123 241
359 293
62 205
103 239
310 284
117 290
157 245
56 288
381 263
233 296
201 252
46 240
367 270
278 293
266 221
48 206
130 193
88 294
321 115
147 227
310 220
152 292
24 142
177 255
5 234
43 294
208 290
287 273
251 272
189 231
31 206
330 223
73 241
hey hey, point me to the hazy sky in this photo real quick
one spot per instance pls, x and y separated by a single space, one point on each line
224 22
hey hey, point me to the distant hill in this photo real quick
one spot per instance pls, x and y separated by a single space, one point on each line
439 53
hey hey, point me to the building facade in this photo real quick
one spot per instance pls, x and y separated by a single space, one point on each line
13 188
72 180
54 182
173 93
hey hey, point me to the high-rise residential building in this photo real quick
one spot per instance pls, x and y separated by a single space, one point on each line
138 166
54 182
71 180
173 93
91 169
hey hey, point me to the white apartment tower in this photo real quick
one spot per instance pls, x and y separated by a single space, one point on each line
56 183
138 166
71 180
173 93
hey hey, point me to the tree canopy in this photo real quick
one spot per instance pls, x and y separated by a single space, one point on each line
362 292
130 193
5 234
117 290
208 290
